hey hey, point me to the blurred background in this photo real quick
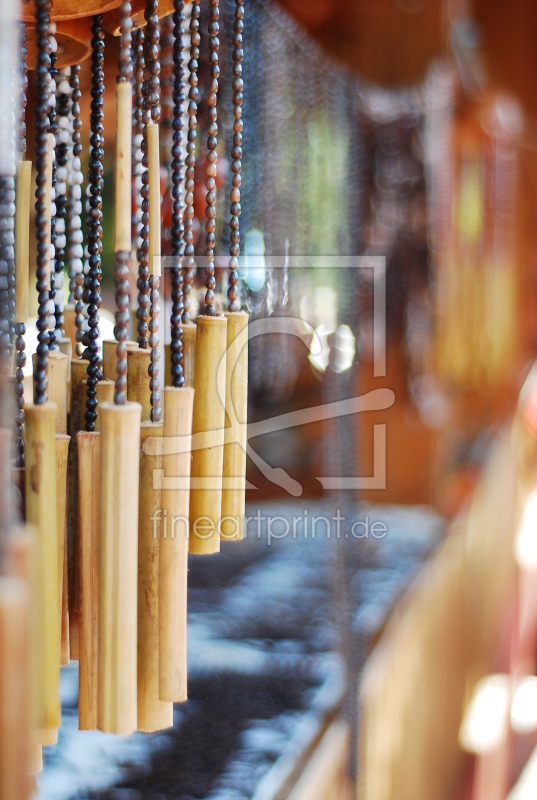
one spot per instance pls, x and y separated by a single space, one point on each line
399 666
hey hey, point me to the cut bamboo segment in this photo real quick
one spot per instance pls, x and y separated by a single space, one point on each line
89 498
79 369
5 479
65 654
138 388
22 239
20 560
189 353
118 567
173 546
69 324
66 347
62 455
105 394
47 211
123 167
233 498
58 370
208 447
110 357
153 168
41 511
153 714
14 688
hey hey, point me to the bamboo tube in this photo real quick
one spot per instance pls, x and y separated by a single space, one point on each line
118 565
123 167
65 655
49 159
138 390
69 324
208 420
173 548
233 498
14 688
66 347
153 714
41 511
79 369
58 369
62 455
110 357
105 394
153 167
89 498
5 479
20 557
22 239
189 352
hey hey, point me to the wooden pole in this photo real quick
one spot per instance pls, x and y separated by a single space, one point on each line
208 421
105 394
173 547
41 511
69 325
118 567
138 389
153 714
62 455
58 371
153 167
89 500
123 167
22 239
20 560
233 498
110 357
14 689
79 368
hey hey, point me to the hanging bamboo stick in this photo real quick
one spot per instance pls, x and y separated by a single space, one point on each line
20 559
118 564
62 451
123 167
173 548
89 496
208 421
110 357
41 511
14 689
153 714
58 370
79 368
69 325
22 239
234 469
138 388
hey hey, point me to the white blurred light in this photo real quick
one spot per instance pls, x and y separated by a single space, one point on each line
486 720
524 706
526 538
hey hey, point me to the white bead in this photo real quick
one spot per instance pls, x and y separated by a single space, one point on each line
76 163
77 237
77 178
77 265
60 225
76 193
61 241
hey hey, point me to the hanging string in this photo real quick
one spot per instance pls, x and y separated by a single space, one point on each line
177 232
92 283
41 129
212 156
55 279
20 327
75 246
122 256
152 98
236 163
189 263
62 155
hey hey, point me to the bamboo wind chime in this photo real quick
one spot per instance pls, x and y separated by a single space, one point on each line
96 452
